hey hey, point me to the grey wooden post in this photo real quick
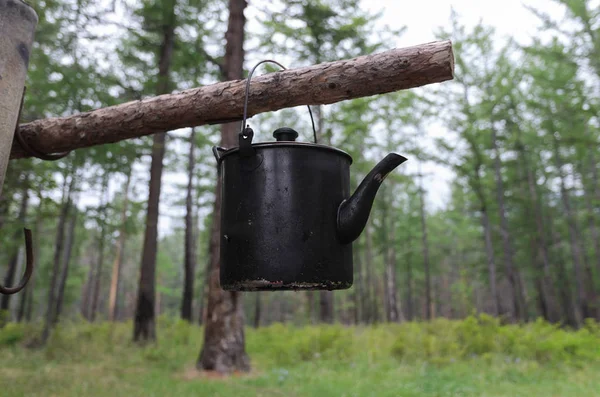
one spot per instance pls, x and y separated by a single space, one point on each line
18 22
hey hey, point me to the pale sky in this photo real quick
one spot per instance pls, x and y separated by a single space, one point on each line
423 17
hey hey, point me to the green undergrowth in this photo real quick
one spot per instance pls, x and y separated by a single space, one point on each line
440 357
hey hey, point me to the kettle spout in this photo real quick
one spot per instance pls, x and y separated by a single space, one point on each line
353 213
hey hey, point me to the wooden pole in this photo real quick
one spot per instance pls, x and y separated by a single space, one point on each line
17 29
325 83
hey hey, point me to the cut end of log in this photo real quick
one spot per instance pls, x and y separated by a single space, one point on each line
451 59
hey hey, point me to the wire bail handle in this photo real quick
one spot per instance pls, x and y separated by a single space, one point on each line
246 131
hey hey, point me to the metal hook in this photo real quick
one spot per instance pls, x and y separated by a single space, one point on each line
28 268
26 147
244 126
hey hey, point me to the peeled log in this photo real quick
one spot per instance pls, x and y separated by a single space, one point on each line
325 83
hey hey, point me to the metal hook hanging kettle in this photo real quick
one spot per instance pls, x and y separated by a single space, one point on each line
288 219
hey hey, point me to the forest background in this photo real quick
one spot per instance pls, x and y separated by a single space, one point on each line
492 225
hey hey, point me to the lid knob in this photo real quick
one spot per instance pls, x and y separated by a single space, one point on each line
285 134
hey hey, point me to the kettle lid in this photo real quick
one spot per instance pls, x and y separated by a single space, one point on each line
285 134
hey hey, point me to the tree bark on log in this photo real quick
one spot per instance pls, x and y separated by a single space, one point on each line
324 83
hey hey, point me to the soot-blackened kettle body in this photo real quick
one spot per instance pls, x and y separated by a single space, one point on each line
287 216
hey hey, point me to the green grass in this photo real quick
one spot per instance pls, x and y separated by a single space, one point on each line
474 357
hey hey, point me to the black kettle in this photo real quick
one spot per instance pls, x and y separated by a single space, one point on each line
288 219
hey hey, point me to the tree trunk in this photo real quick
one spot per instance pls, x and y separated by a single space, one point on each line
189 265
65 266
113 306
410 307
86 293
144 323
257 310
581 293
100 260
394 314
4 206
511 272
569 306
329 82
310 306
224 347
202 294
425 246
9 279
547 294
58 249
591 194
326 307
371 312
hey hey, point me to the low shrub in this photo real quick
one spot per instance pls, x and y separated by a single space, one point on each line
12 334
438 342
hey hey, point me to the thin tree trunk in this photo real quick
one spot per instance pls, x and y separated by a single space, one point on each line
393 314
189 265
547 294
591 194
144 322
113 306
4 206
9 279
65 266
86 294
477 187
100 260
425 247
310 305
581 293
372 313
570 308
489 252
511 271
326 306
224 347
204 285
202 294
410 307
58 249
257 310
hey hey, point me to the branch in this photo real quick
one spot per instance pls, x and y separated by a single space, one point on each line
320 84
